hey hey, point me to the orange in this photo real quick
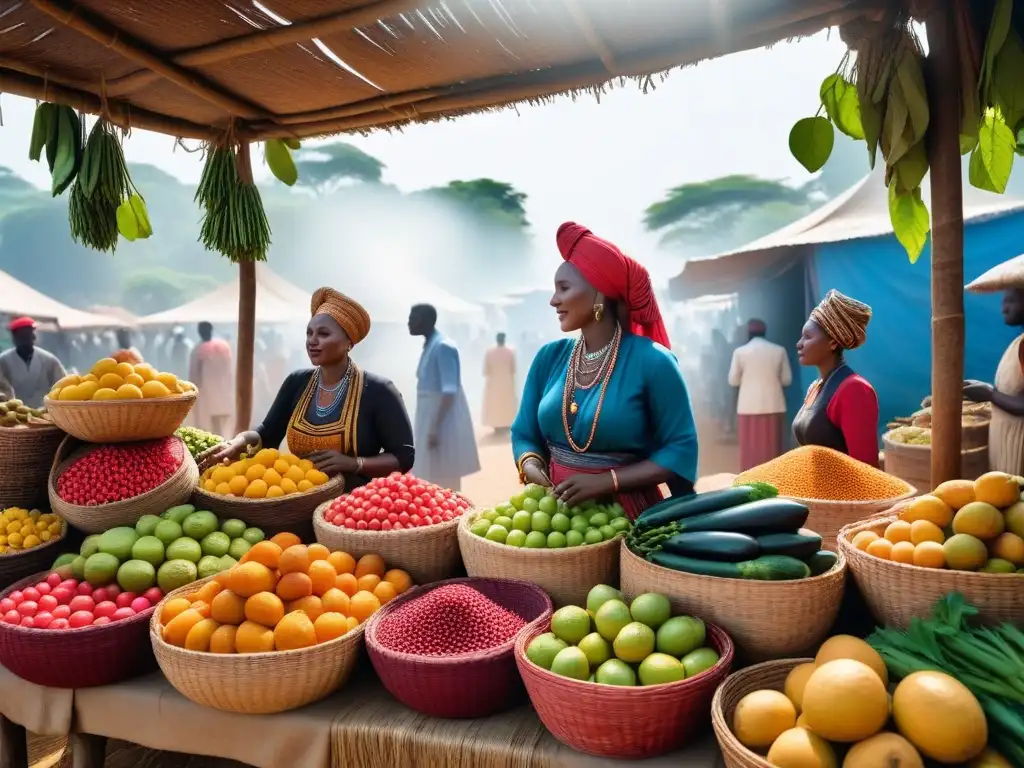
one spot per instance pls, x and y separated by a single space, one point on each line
257 489
401 580
318 552
335 601
304 485
228 608
903 552
385 592
312 606
281 466
295 475
209 591
322 574
330 626
295 631
272 478
177 629
265 553
264 608
880 548
294 559
173 608
275 492
254 638
897 531
255 472
198 638
924 530
202 607
343 562
353 622
368 582
237 485
862 539
371 564
249 578
292 586
285 539
223 578
347 583
929 554
223 639
363 605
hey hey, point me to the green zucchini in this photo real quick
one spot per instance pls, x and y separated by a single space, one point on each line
800 545
674 509
764 568
713 545
756 518
822 562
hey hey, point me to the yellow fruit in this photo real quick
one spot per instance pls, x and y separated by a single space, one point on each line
294 586
267 457
385 592
998 489
247 579
255 472
223 639
880 548
254 638
288 486
990 759
316 477
330 626
318 552
209 591
955 494
343 562
311 605
169 380
799 748
90 377
129 392
925 530
209 486
275 492
964 552
981 520
1009 547
850 647
930 508
295 631
267 553
237 485
801 722
304 485
903 552
846 701
760 717
124 370
940 717
322 575
930 554
172 608
87 390
176 630
68 381
146 371
862 539
294 559
228 608
305 465
68 393
198 638
256 489
264 608
362 605
224 489
105 393
295 474
152 389
134 378
883 750
897 531
281 466
110 381
272 478
335 601
104 366
370 564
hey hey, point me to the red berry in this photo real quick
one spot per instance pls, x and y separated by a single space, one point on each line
61 612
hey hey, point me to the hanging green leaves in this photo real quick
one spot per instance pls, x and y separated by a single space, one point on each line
910 220
992 160
235 223
811 142
839 97
58 130
279 158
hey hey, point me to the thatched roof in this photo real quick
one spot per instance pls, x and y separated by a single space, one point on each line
281 68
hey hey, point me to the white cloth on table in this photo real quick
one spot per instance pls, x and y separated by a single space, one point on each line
500 400
31 381
761 371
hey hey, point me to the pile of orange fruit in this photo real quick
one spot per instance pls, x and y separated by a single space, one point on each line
269 474
283 595
111 380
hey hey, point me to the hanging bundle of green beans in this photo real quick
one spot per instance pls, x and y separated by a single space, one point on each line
235 223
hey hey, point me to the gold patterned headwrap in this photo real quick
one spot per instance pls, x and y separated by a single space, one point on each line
845 320
346 312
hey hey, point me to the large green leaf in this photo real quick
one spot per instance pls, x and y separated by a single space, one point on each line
992 159
910 220
1008 80
811 142
839 97
1002 17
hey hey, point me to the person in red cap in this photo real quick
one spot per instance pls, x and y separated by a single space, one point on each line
30 370
606 414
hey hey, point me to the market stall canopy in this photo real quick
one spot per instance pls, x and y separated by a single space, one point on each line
313 67
128 319
1003 277
388 297
17 298
860 212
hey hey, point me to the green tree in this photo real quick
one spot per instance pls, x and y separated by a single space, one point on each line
489 201
324 168
146 291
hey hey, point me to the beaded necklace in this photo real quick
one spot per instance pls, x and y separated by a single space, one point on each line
338 391
603 374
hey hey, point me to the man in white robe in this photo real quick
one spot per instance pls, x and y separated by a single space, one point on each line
30 370
500 400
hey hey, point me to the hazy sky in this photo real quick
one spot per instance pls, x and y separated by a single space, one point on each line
599 164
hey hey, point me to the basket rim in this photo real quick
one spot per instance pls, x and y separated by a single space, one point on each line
540 552
725 657
70 631
911 492
36 550
241 500
319 519
462 658
32 429
915 447
856 555
172 400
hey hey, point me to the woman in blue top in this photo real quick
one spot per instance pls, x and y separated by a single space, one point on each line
606 414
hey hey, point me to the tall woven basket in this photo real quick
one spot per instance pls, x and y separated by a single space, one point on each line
913 463
765 619
896 592
26 455
828 517
121 421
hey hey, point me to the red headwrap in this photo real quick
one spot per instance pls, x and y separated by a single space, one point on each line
20 323
617 276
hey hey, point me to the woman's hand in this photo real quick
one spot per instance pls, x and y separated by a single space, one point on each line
978 391
222 453
534 472
333 463
584 487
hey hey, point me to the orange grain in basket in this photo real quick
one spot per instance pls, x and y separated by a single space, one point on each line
814 472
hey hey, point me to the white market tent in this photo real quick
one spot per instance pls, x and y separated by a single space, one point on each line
17 298
389 297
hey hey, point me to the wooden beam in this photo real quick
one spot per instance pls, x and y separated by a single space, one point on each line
600 47
264 40
106 34
948 333
246 317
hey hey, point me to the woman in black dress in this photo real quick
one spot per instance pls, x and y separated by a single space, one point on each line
345 420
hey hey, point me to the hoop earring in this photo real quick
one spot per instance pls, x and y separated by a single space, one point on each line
598 312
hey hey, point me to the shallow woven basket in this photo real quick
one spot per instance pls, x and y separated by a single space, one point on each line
76 658
26 456
624 722
913 463
430 553
469 685
771 676
255 683
17 565
567 575
896 592
293 513
765 619
828 517
175 490
121 421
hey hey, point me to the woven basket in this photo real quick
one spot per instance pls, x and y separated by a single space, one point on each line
624 722
76 658
765 619
828 517
896 592
913 464
255 683
121 421
469 685
430 553
567 575
175 490
768 676
293 513
26 456
15 566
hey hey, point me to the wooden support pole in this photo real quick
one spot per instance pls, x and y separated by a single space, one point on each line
246 318
948 333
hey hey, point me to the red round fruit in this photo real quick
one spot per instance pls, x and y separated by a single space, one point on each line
125 599
46 603
99 621
112 591
54 580
61 612
43 588
62 595
140 604
85 588
28 621
16 596
154 595
7 605
59 624
43 620
31 593
360 525
123 613
80 619
82 603
350 523
28 608
106 608
12 617
69 584
101 595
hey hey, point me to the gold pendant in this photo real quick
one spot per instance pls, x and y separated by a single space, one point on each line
573 407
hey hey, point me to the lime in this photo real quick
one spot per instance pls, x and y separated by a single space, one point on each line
78 568
497 533
136 576
179 513
504 522
215 544
593 536
253 535
209 566
516 538
570 624
199 524
699 661
680 635
535 492
573 539
651 609
579 523
616 511
176 573
167 531
619 524
615 672
560 522
238 548
150 549
234 528
571 662
227 562
184 548
997 565
62 560
660 668
536 540
548 504
540 521
597 649
600 595
90 546
118 542
634 643
543 649
521 521
607 532
530 504
100 569
480 527
490 515
598 519
610 618
556 540
146 524
517 501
